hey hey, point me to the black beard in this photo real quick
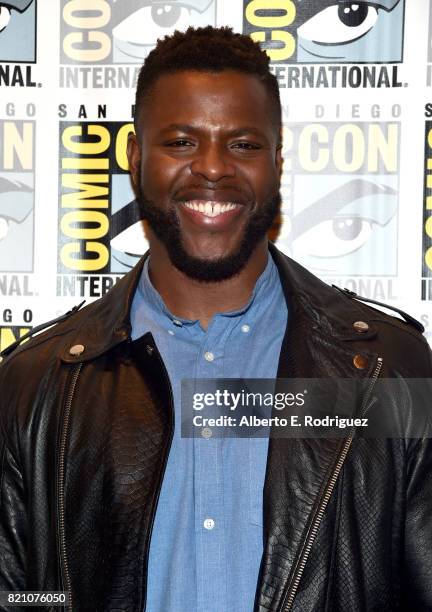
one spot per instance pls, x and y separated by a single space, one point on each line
166 227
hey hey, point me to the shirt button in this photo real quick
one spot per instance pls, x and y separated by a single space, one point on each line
209 523
178 323
209 356
245 328
206 432
171 333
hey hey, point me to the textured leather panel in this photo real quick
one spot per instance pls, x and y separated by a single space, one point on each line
130 424
13 533
354 563
297 470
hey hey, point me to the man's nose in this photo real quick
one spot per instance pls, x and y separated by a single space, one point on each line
212 162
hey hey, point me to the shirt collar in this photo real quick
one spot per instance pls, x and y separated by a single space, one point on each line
154 300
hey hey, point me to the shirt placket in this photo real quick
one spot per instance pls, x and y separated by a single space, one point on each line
209 516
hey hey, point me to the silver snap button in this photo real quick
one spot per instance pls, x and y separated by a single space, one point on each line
76 350
245 328
149 349
171 333
361 326
208 356
209 523
206 432
178 323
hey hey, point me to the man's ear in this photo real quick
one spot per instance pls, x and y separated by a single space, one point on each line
134 158
279 159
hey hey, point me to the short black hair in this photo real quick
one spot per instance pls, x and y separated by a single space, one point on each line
207 49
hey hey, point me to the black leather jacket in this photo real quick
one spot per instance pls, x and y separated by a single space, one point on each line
85 439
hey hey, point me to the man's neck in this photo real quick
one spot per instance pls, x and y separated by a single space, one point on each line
191 299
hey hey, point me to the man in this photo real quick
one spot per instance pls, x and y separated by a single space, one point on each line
100 494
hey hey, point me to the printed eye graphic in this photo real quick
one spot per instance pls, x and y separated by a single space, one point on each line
151 22
4 227
16 204
5 16
340 23
127 235
8 225
136 34
336 237
167 15
347 229
343 221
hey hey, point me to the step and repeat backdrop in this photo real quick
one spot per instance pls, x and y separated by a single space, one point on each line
356 86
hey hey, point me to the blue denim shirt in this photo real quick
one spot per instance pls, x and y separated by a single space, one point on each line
207 540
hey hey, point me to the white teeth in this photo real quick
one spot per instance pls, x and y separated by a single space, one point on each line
210 209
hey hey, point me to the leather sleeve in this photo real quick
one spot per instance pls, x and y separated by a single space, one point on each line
13 518
417 591
418 528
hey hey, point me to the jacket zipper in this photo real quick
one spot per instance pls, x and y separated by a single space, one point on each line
160 476
310 538
65 576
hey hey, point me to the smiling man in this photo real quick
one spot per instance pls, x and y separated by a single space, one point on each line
100 494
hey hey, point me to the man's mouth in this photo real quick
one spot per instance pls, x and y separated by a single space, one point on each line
210 208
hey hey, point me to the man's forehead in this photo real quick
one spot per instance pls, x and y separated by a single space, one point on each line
203 83
220 101
183 93
207 76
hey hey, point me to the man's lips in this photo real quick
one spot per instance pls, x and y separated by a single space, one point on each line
210 214
210 208
213 209
222 196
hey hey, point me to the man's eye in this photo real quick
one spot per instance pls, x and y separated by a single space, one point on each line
179 143
340 23
5 16
246 145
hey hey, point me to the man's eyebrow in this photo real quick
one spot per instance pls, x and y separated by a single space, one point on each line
242 131
179 127
245 131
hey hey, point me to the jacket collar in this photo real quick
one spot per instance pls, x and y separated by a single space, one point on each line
106 322
327 311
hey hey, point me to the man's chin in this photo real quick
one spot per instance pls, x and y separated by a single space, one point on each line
204 257
212 268
208 269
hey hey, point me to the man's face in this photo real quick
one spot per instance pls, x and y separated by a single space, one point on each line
206 169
